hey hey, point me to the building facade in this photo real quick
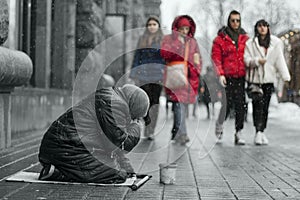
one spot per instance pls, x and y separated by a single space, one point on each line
291 40
59 37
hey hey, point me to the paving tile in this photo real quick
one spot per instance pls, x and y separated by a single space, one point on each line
209 172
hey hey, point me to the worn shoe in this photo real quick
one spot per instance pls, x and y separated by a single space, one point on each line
182 139
219 130
258 138
46 172
238 139
186 138
265 140
173 135
150 137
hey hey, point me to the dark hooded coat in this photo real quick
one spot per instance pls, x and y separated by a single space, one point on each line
87 143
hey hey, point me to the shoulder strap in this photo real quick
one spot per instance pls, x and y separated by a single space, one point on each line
253 74
186 51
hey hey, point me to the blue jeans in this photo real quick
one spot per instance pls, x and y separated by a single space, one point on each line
179 124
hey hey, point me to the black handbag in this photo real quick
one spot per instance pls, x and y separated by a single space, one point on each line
254 90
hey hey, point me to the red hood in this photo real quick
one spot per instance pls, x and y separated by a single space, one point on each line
175 25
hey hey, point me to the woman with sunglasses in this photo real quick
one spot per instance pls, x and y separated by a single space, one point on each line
264 57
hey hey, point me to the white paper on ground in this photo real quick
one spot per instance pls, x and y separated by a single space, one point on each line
32 177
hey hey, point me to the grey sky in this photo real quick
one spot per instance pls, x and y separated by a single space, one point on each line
171 8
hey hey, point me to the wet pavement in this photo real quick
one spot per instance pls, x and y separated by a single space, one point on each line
205 169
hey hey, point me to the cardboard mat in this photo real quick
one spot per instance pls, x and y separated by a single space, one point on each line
32 177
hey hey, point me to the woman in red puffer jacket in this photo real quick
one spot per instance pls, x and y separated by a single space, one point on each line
173 49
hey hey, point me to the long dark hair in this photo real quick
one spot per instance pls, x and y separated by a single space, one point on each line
266 41
144 39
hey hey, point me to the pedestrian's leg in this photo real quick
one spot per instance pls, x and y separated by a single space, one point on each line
239 104
176 119
226 104
207 109
179 131
239 107
154 91
258 114
195 106
246 112
183 139
186 110
167 108
268 90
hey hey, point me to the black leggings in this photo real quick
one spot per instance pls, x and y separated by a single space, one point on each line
153 91
261 108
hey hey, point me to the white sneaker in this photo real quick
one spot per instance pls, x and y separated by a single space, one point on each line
238 139
258 140
219 131
265 140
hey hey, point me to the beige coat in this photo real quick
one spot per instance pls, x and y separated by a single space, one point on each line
274 65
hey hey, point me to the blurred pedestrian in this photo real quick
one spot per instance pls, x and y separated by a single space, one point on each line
147 70
264 58
174 48
208 92
227 55
89 141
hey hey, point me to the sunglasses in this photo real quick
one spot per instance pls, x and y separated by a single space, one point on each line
235 20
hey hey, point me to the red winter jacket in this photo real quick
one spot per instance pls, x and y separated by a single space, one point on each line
173 50
229 60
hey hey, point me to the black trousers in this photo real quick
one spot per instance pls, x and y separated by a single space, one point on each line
153 91
261 108
234 98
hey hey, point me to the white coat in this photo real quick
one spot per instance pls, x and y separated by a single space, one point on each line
275 61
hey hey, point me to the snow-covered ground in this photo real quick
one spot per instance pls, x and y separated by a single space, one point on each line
285 112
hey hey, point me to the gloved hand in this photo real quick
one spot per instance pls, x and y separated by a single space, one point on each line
222 80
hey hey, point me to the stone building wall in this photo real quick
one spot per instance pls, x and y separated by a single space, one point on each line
291 39
52 39
91 30
3 21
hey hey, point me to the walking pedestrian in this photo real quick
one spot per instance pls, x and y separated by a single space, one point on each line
208 91
264 59
147 70
227 55
89 141
174 48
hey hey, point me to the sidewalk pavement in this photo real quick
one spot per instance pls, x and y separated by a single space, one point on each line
205 170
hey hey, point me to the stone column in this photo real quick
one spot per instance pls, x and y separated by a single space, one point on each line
63 60
15 70
5 115
43 44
